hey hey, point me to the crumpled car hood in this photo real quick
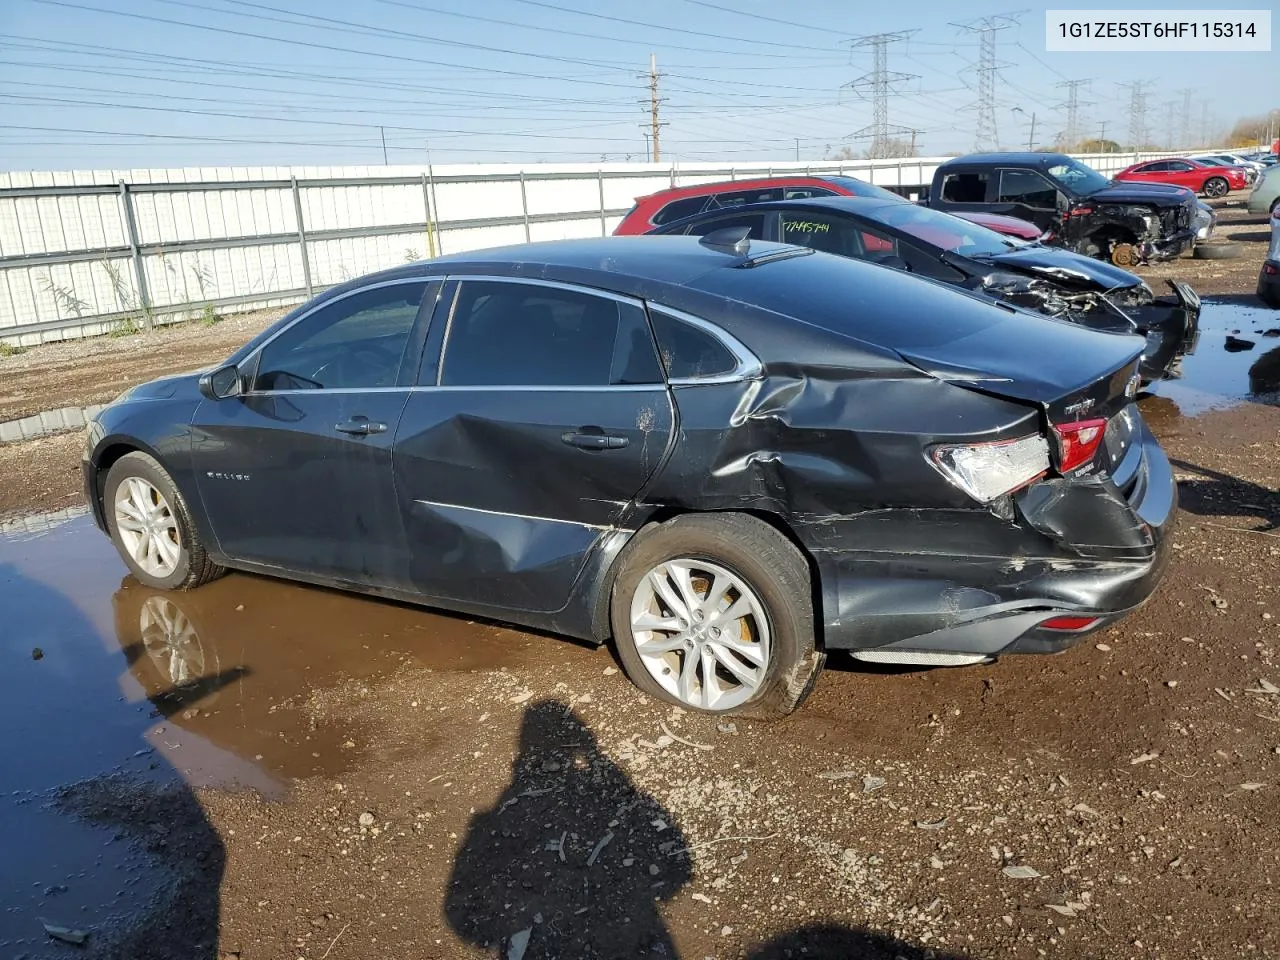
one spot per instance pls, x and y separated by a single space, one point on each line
1063 266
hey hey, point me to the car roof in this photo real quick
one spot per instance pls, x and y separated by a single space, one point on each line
724 186
1022 159
864 205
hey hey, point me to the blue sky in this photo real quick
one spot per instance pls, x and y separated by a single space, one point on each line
119 83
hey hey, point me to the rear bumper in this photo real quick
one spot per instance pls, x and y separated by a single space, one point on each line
968 583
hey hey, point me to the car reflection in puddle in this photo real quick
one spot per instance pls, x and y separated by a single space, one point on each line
1236 360
138 695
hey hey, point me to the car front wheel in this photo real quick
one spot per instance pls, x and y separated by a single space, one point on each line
151 527
714 612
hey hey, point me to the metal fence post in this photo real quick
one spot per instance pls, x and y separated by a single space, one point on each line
426 203
435 207
139 273
604 231
302 236
524 207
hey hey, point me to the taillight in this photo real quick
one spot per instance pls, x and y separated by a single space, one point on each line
1078 442
1270 269
1069 623
987 471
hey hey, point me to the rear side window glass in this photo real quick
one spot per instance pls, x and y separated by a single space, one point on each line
964 187
689 352
679 209
820 231
739 198
523 334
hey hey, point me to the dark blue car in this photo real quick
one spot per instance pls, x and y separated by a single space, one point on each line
729 457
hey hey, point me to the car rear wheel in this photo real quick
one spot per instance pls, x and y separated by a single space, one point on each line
151 527
715 613
1216 187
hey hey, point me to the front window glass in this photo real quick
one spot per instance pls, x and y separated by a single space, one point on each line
355 342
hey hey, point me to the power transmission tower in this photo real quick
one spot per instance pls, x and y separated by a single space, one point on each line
986 136
1170 123
1137 113
1073 104
880 81
654 125
1204 123
1186 116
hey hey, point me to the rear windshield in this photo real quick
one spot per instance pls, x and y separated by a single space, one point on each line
860 188
862 300
943 230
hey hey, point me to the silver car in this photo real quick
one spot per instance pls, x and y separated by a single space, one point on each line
1266 192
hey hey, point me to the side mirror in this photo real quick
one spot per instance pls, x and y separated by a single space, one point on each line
222 383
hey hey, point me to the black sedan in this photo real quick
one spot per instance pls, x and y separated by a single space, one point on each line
729 457
1046 279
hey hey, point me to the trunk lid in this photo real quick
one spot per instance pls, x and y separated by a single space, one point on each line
1071 373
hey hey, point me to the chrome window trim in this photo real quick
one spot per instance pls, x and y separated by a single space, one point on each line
257 353
543 388
749 366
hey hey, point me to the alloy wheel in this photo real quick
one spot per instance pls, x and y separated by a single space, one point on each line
171 641
702 633
147 527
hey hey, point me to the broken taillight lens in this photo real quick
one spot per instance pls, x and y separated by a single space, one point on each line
1078 442
987 471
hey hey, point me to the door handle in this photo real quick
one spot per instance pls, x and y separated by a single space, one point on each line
593 438
360 426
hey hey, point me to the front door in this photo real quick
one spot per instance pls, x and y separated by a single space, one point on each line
545 416
296 473
1028 195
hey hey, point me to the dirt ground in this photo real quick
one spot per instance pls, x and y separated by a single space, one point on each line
408 784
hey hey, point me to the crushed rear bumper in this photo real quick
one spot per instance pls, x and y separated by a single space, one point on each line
915 583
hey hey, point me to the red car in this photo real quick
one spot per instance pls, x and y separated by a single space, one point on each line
680 202
1206 178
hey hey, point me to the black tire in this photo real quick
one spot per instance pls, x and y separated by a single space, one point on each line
1216 187
193 567
769 564
1217 251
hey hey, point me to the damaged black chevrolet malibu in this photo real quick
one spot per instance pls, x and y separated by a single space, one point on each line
730 458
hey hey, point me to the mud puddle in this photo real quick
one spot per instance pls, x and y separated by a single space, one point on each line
1235 360
117 700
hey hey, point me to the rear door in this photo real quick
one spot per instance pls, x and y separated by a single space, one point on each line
543 417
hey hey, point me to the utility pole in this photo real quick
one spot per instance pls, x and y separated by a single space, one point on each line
797 149
1102 138
987 136
880 81
1072 133
655 125
646 146
1204 124
1031 140
1137 113
383 134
